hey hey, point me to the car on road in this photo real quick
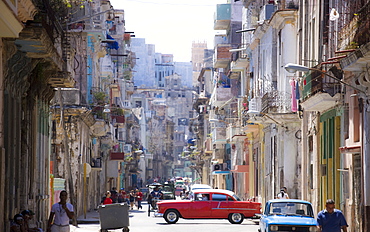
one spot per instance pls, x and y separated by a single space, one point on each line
287 215
209 204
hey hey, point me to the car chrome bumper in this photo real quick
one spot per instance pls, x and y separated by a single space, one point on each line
158 214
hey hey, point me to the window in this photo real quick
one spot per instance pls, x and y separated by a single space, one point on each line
219 197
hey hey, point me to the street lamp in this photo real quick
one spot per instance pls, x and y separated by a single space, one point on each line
292 68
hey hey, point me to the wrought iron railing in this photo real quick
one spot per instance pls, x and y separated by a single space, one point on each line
276 101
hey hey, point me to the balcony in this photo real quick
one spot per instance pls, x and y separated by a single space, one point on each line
220 96
118 156
100 128
240 58
10 22
320 92
231 131
118 121
222 17
276 102
219 135
356 59
356 33
222 56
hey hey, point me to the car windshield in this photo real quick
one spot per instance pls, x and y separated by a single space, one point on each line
291 208
167 189
236 197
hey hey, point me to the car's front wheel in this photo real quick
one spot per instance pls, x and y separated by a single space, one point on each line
236 218
171 216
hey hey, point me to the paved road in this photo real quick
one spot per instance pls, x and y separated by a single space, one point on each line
140 222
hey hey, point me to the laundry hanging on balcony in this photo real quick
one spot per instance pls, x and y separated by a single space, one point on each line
293 97
112 43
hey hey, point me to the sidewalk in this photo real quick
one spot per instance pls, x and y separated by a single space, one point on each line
92 217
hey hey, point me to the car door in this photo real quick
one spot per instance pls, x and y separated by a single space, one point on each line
220 205
199 207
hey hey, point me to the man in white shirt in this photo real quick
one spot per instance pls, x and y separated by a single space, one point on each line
283 194
60 214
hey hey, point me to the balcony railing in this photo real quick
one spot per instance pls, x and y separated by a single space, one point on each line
356 32
316 82
277 102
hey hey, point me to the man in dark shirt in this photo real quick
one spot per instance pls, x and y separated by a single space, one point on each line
331 219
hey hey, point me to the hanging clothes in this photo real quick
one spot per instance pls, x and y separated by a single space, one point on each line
297 93
293 96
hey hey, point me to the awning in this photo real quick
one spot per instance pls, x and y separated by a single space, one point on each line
221 172
112 43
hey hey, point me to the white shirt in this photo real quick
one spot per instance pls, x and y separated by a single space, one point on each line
282 195
61 218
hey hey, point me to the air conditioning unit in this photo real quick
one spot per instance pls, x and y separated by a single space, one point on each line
127 148
219 167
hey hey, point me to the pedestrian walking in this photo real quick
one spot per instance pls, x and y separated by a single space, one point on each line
114 195
60 214
107 200
283 194
331 219
132 199
139 198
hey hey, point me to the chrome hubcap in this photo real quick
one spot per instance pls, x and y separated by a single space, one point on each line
171 216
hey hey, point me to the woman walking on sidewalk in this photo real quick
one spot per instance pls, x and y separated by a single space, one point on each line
132 199
139 198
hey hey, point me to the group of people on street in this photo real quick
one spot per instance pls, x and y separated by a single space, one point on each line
23 222
132 198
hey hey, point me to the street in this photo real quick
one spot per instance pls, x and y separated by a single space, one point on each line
140 222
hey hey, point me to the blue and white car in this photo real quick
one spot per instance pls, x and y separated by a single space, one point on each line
288 215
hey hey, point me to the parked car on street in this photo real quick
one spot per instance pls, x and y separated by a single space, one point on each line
209 204
287 215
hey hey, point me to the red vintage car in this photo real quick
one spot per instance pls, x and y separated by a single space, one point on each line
209 204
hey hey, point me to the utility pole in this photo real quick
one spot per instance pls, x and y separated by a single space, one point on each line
67 157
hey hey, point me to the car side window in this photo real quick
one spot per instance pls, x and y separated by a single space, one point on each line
219 197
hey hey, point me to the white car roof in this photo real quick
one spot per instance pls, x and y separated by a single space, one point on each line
200 186
214 191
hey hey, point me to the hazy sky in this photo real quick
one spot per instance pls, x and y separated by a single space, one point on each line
171 25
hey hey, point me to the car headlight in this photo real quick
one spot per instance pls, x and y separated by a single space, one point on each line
274 228
313 229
